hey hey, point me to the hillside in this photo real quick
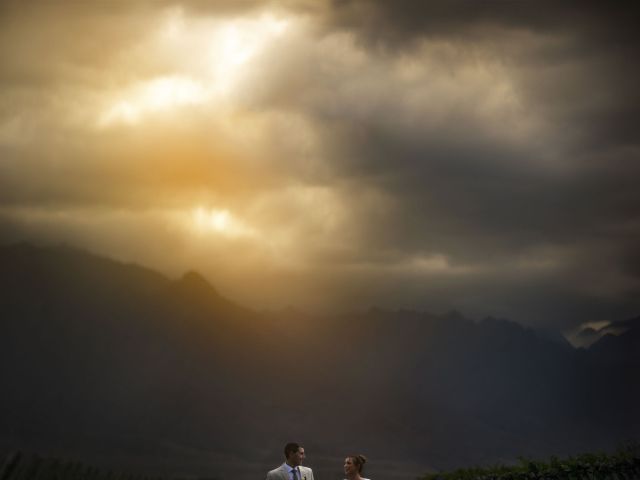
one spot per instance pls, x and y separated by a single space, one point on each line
120 366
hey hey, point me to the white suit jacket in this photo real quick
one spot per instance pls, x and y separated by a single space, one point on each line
282 473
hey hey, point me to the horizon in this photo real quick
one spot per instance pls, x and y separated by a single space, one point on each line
576 337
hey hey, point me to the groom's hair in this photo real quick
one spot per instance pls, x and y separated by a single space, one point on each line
290 448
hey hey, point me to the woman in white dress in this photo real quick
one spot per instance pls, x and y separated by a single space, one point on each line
353 467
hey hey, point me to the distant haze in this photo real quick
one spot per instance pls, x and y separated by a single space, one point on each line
476 156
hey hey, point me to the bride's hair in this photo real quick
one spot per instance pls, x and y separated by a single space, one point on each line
359 461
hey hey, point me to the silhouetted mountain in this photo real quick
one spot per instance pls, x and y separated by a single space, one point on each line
118 365
622 347
588 336
630 323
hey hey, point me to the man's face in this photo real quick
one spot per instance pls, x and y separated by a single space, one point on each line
296 458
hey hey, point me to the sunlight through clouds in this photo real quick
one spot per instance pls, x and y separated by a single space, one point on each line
218 221
235 44
478 154
156 95
225 47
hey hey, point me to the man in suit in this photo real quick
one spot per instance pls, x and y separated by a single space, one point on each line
292 468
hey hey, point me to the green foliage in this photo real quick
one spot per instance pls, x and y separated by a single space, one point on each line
20 466
624 464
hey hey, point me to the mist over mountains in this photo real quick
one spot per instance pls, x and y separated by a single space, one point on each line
118 365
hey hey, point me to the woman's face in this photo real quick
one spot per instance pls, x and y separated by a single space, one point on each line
350 467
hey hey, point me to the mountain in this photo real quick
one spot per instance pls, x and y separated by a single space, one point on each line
586 336
119 366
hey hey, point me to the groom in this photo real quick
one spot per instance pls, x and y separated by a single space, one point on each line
292 468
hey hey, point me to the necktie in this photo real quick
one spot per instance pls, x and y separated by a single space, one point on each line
295 473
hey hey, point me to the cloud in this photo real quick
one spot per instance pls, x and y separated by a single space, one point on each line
409 154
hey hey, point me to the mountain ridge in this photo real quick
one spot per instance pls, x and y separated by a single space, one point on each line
102 356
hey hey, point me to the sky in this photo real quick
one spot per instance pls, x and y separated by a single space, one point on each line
333 155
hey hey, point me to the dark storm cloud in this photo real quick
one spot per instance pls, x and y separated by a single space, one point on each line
601 37
613 25
483 189
569 186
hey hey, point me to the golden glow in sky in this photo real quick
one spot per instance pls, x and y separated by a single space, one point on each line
325 152
209 63
207 221
154 96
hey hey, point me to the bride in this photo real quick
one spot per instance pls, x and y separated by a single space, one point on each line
353 467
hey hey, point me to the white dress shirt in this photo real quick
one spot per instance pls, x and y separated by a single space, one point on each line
290 470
